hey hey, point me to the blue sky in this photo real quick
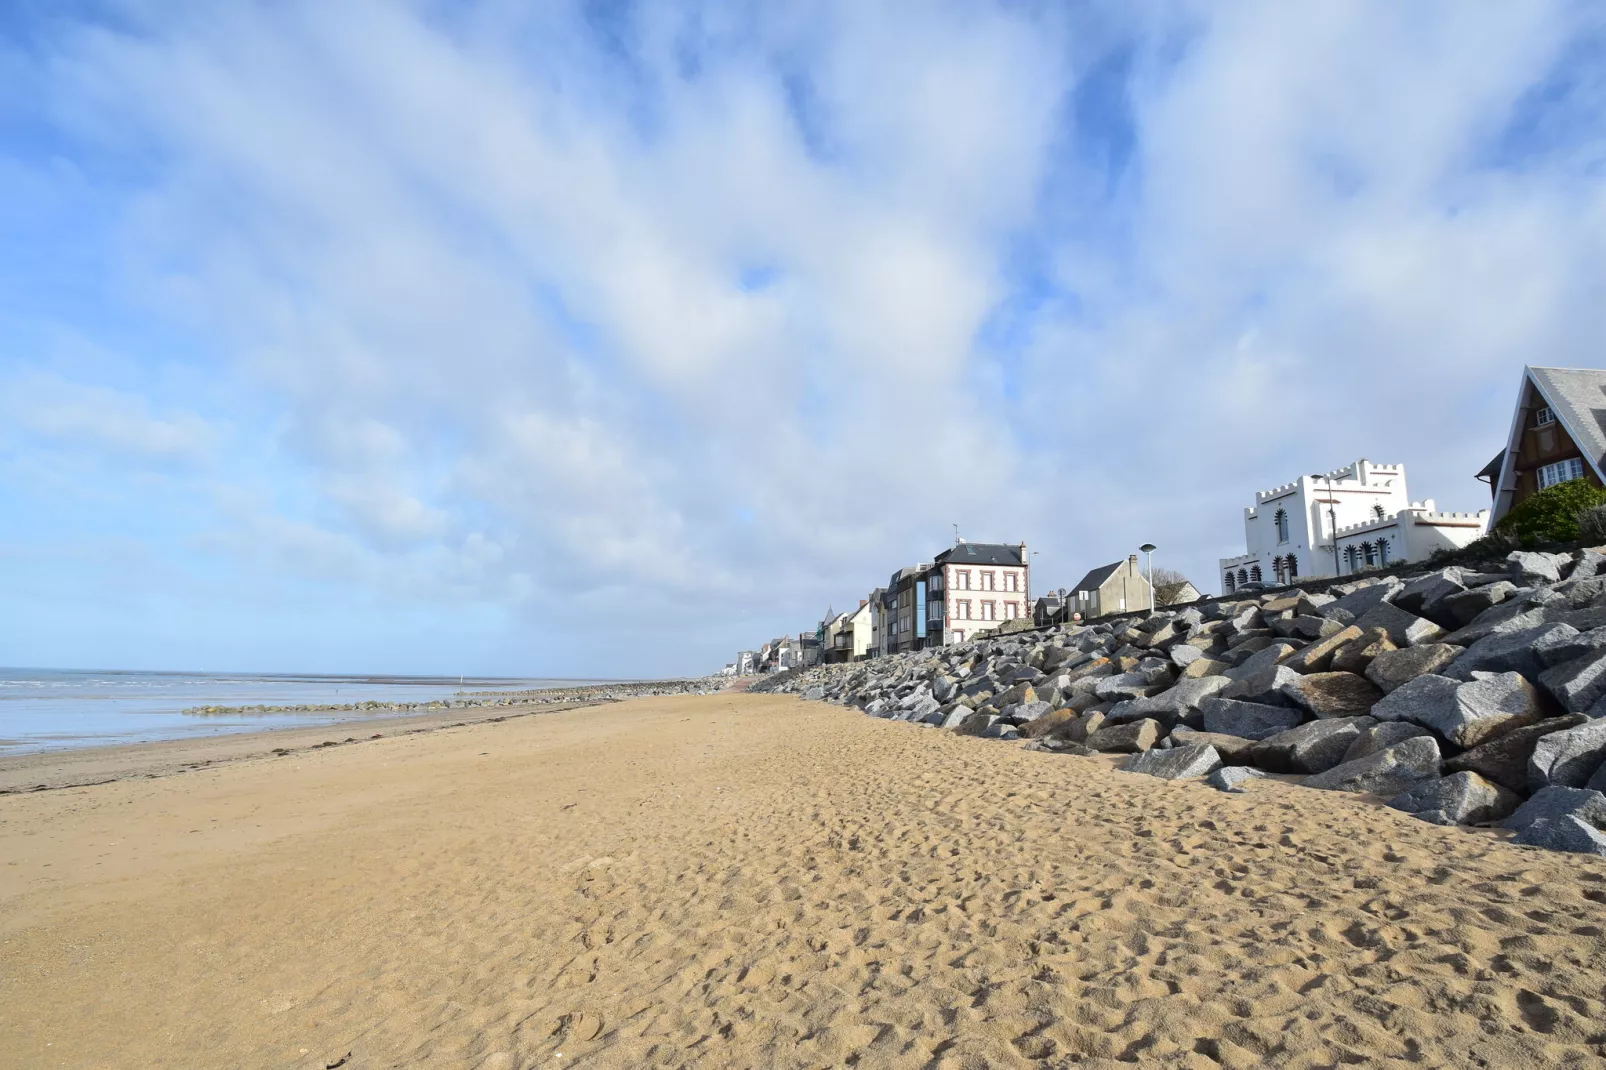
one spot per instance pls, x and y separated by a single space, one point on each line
612 338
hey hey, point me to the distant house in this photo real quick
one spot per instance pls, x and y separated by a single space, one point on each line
974 586
847 635
878 624
1049 609
1558 433
1117 588
905 611
746 663
1176 594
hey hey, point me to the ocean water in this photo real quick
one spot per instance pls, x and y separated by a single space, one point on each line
45 709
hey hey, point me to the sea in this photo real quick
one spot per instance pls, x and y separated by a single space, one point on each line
48 709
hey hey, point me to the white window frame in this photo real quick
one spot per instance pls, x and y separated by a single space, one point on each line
1544 417
1561 472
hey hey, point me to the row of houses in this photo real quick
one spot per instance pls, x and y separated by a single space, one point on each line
1318 525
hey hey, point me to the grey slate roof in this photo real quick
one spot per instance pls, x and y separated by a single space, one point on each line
1095 579
981 553
1578 398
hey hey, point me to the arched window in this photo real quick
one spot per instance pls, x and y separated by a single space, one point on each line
1291 567
1370 550
1254 573
1227 583
1377 511
1243 575
1281 520
1277 568
1383 551
1352 558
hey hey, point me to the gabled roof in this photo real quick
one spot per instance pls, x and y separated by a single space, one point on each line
1095 579
981 553
1577 397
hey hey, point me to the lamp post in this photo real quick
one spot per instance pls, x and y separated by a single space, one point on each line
1148 549
1332 519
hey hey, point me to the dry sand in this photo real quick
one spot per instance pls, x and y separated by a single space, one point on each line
753 881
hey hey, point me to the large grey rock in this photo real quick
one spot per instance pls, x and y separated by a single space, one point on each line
1262 661
1126 738
1516 651
975 725
1233 749
1265 687
1559 647
1184 654
1569 757
1427 590
1577 684
1458 799
1025 712
1318 656
1556 801
1310 748
1464 608
1385 735
1512 615
1126 685
1504 759
1527 567
1251 720
1232 777
1395 667
1176 704
1563 834
814 694
1390 771
1000 730
1358 603
1465 714
1178 763
1404 629
1331 694
1358 654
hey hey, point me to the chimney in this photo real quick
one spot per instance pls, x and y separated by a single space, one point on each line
1132 559
863 602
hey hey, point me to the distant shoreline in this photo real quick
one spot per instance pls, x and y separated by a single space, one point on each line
71 767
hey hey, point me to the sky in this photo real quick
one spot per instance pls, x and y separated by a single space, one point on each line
611 338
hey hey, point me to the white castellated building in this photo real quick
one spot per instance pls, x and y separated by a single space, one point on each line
1289 531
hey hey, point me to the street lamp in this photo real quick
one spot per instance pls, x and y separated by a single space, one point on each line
1332 518
1148 549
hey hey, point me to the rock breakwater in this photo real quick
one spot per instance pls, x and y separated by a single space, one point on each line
1462 697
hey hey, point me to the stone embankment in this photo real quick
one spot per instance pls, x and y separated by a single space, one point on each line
1462 697
478 700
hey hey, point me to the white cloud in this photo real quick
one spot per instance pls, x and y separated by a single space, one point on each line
489 267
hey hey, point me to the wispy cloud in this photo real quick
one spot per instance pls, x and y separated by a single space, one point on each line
677 322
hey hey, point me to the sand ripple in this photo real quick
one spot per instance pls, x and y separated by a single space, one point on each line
751 881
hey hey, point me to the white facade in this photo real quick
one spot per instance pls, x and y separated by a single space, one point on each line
1289 532
1410 535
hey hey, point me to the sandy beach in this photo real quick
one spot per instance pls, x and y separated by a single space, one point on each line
751 881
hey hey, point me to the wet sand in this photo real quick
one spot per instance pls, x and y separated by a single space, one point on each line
750 881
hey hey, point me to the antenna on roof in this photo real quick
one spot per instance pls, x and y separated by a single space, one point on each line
957 539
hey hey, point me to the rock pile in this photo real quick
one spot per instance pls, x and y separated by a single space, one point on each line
1463 697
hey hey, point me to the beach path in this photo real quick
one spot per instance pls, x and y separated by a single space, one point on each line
741 880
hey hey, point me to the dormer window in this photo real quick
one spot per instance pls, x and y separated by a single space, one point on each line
1544 417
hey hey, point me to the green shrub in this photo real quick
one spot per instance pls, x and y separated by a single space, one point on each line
1552 514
